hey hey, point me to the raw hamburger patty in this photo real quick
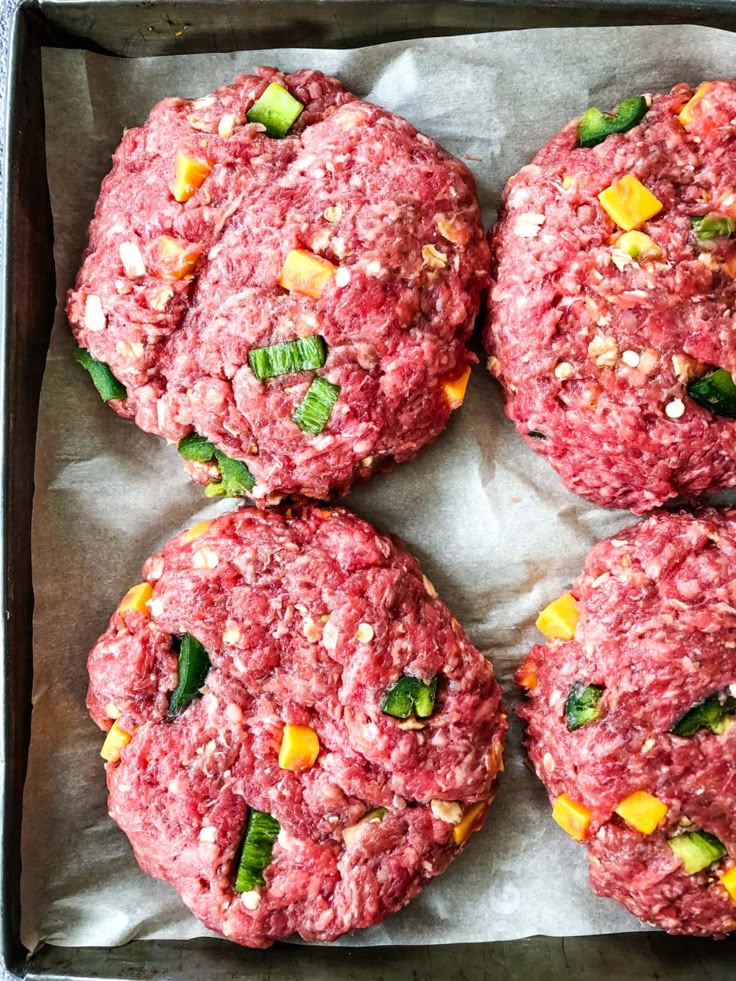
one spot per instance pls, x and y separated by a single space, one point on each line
657 636
308 618
174 295
594 346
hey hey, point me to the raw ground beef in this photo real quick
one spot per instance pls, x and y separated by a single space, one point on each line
657 630
595 349
307 617
352 183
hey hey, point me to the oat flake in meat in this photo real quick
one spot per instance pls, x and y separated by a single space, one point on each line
611 322
630 714
300 735
301 303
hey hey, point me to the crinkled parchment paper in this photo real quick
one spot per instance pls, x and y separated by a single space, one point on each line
495 529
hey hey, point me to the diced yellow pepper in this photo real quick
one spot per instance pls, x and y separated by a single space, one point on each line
455 390
728 881
136 599
471 822
572 817
638 245
629 203
115 740
175 260
307 273
190 175
196 531
560 618
642 811
691 109
299 748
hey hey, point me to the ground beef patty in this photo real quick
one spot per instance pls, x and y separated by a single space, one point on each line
373 229
596 335
629 722
315 627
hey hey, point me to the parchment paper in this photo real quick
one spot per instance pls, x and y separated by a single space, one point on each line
495 529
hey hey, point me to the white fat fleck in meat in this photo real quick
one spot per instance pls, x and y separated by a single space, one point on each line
94 316
205 558
630 358
131 350
112 711
448 811
342 277
528 225
227 124
156 607
231 634
374 268
429 588
564 370
233 713
208 834
621 259
251 899
339 247
603 349
329 636
365 633
410 724
675 409
311 630
683 367
159 298
383 546
548 762
132 260
332 214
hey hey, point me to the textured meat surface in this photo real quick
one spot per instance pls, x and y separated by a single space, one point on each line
658 631
280 600
594 349
356 185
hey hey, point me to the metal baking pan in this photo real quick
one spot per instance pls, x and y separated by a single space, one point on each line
130 29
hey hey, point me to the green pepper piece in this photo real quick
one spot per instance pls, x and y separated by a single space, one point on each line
595 125
424 699
715 391
303 354
408 695
697 849
314 410
235 478
277 110
582 705
196 447
375 815
256 851
399 698
103 379
711 713
712 226
194 663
